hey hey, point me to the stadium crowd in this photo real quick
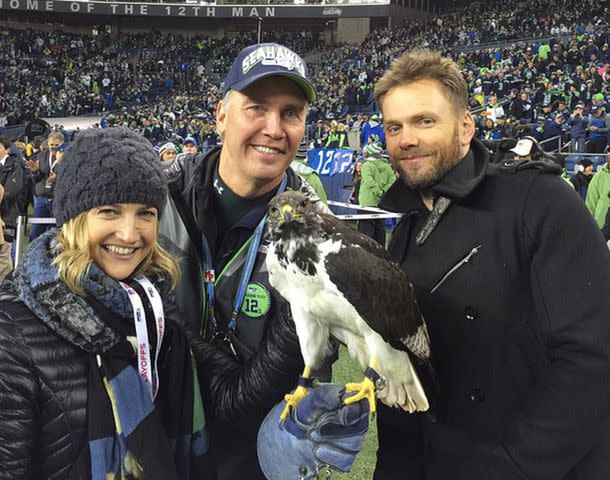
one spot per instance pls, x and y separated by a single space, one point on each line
47 74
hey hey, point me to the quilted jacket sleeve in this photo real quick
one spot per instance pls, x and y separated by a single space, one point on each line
242 394
18 412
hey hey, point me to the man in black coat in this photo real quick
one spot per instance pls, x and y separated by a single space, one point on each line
16 180
498 254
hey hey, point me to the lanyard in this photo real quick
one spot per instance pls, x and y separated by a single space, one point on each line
148 371
209 277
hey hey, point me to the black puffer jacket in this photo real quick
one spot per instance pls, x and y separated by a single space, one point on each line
43 388
43 398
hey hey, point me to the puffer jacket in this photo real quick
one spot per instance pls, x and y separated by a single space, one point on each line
43 400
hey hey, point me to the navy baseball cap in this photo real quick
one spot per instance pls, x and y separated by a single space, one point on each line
189 140
265 60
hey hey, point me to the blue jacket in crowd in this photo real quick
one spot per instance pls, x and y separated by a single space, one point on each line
578 126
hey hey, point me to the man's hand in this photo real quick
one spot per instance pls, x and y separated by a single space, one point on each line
321 432
52 177
32 165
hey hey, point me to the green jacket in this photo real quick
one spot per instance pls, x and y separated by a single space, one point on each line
311 177
597 195
377 176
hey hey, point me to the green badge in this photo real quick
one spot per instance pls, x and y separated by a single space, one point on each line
256 301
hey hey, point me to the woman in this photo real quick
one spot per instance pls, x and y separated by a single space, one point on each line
489 131
96 377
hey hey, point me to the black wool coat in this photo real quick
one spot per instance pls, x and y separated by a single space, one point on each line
511 283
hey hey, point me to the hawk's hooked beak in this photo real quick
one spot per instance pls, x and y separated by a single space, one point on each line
286 211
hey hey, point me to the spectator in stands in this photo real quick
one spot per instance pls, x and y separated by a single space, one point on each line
210 139
527 148
598 135
72 389
250 364
337 138
167 152
597 195
376 176
578 130
527 112
16 181
515 105
489 131
299 165
318 133
583 177
372 131
553 132
42 165
189 145
524 424
493 108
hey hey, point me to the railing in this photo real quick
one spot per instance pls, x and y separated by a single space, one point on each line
20 234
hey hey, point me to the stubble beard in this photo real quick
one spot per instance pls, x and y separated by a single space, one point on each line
424 178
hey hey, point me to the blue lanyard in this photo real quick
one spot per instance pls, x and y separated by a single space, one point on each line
209 277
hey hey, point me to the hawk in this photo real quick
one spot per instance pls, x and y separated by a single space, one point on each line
342 283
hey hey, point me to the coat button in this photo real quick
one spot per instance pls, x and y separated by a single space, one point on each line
476 395
470 313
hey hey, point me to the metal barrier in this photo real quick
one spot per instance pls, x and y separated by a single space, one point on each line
20 234
552 139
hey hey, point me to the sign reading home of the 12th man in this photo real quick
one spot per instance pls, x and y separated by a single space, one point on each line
203 11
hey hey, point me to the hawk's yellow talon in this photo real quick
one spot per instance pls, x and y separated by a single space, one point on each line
366 389
292 400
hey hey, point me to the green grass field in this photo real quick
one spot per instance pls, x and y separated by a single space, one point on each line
347 370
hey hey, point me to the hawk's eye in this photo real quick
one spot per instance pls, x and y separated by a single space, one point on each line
304 203
274 210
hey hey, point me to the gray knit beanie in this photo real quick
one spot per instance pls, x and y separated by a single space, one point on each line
106 166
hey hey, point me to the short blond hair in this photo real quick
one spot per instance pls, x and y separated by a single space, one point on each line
425 65
76 257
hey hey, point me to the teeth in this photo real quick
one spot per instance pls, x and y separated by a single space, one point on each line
120 250
261 149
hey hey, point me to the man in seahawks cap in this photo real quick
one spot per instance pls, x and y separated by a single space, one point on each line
263 60
218 199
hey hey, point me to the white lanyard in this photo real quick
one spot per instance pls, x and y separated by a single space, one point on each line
52 161
147 371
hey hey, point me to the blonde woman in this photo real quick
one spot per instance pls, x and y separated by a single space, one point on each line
96 376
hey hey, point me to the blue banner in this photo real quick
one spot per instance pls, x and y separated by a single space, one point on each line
330 161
